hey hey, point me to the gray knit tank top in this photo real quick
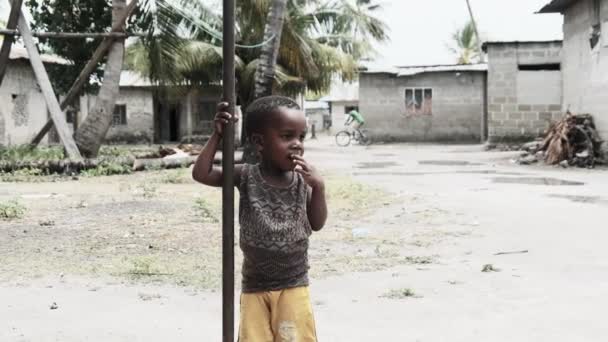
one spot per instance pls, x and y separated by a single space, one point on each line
274 232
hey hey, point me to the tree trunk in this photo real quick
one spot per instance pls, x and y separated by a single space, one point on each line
264 74
93 130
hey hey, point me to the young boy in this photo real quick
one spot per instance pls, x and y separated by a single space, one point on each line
282 200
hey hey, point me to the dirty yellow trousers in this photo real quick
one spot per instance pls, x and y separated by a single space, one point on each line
277 316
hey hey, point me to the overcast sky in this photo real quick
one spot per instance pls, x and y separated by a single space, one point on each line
420 30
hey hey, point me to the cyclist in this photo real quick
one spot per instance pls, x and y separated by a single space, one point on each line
355 118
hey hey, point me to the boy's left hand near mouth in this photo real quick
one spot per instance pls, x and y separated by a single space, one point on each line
310 173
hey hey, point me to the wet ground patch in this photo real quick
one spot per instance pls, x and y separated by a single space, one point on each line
580 199
536 181
447 162
375 165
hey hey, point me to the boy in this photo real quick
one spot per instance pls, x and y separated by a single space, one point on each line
282 200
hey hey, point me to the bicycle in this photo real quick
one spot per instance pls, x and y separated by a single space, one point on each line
361 136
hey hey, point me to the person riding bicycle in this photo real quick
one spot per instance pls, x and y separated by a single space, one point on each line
355 118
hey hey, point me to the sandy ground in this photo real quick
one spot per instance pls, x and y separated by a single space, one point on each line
408 270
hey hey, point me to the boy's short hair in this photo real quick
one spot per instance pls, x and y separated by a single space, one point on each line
258 112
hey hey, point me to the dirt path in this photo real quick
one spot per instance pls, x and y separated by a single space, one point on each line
409 269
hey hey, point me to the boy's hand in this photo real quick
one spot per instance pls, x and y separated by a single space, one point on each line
310 173
222 117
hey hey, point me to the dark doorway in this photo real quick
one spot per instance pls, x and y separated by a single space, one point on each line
174 123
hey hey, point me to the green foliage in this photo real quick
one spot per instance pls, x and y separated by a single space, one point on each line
465 41
26 153
107 168
11 210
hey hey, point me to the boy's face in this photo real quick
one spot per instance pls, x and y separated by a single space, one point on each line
284 137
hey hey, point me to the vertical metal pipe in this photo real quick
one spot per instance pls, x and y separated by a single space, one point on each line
228 181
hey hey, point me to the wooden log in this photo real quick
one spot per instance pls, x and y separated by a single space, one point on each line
47 90
80 81
73 35
5 51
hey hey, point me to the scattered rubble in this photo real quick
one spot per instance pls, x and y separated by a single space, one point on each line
571 141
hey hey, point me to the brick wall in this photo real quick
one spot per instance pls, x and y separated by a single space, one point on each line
522 104
457 106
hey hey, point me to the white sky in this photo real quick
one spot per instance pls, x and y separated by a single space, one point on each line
420 30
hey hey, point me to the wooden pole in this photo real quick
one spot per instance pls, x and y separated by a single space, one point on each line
80 81
228 181
47 90
70 35
5 51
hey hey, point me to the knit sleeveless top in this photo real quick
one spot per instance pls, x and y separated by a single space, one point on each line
274 232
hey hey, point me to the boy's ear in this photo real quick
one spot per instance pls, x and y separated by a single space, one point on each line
258 140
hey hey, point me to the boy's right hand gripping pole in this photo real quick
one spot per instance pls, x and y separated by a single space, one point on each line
228 181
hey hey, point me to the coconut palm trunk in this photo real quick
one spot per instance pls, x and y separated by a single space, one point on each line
264 74
93 130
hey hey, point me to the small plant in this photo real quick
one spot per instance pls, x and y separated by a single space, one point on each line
204 208
490 268
174 177
400 294
419 260
11 210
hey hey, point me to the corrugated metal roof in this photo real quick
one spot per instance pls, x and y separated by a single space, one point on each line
521 42
19 52
557 6
415 70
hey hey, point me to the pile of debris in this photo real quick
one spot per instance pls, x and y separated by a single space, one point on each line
571 141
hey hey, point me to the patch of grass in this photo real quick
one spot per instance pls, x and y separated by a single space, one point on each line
107 168
143 266
206 210
149 191
11 210
419 260
114 151
347 196
178 176
401 294
22 175
25 153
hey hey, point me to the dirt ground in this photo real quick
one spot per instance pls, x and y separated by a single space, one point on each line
137 257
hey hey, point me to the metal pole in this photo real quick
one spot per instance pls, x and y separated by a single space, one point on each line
479 49
228 181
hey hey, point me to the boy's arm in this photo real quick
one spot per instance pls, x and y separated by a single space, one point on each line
316 206
204 170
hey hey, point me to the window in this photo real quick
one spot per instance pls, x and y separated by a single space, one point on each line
119 117
348 109
539 67
70 116
418 101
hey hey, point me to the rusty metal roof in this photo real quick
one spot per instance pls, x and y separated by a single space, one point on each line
421 69
557 6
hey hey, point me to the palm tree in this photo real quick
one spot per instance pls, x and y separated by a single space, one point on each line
94 128
465 40
265 67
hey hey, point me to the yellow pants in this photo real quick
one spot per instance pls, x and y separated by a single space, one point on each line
277 316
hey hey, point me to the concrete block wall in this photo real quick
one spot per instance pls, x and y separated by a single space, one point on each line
457 114
22 106
510 118
585 70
